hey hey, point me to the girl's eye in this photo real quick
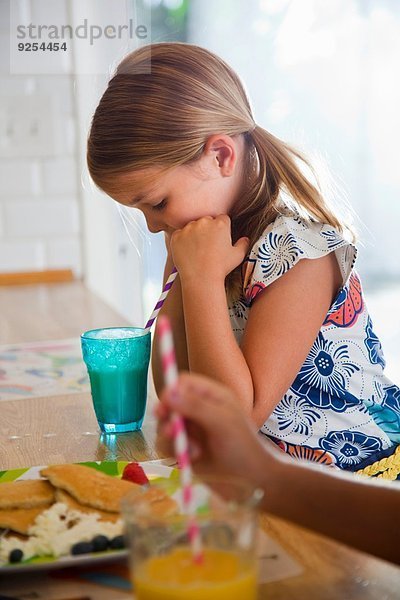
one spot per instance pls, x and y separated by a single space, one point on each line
160 205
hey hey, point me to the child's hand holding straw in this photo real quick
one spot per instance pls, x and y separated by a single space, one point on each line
222 441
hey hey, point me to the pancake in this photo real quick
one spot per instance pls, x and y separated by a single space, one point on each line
89 486
63 496
30 493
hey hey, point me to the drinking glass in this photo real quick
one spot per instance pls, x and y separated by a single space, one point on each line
117 360
161 559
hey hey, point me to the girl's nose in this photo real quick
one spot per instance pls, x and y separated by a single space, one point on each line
152 226
153 230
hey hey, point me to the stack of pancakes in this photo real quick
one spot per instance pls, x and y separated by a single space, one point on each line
79 487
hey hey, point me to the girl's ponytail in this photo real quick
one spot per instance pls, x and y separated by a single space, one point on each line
280 160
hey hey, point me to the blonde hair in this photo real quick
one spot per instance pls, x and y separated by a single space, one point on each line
159 109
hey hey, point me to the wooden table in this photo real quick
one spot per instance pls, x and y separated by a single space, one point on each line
55 429
33 313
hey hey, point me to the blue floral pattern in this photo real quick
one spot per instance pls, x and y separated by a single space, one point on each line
239 309
391 397
278 254
340 404
349 447
325 375
333 238
373 345
295 413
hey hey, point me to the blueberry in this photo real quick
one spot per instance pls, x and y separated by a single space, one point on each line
15 556
100 543
82 548
117 543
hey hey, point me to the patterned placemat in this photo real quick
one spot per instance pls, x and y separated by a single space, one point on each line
51 368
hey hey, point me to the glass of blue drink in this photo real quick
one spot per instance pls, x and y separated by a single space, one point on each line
117 360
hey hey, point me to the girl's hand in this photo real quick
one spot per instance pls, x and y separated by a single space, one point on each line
203 248
167 239
221 439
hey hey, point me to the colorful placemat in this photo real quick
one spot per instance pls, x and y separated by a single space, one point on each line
51 368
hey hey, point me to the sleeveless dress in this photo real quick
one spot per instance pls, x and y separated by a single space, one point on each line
341 409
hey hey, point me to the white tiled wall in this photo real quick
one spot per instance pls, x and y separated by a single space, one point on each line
45 209
39 192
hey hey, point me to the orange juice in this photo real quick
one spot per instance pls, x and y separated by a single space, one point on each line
174 576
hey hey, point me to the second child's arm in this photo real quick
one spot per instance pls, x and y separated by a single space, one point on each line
357 510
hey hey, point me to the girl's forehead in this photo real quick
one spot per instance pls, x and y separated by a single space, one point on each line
140 177
141 181
136 185
145 182
148 178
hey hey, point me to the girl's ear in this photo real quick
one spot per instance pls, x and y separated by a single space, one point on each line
222 149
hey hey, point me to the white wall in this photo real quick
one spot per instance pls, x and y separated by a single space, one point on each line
51 215
39 191
112 266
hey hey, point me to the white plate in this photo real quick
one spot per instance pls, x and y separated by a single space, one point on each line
153 469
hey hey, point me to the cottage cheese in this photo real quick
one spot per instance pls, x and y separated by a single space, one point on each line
56 530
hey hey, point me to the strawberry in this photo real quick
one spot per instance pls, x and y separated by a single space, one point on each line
133 472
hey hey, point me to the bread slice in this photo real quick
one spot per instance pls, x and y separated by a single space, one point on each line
29 493
89 486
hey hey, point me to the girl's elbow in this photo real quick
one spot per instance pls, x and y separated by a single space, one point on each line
260 412
258 420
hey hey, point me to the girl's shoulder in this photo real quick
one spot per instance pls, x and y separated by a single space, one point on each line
289 239
309 235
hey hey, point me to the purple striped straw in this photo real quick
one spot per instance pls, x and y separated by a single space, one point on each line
161 300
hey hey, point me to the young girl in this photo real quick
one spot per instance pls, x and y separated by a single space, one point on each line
267 300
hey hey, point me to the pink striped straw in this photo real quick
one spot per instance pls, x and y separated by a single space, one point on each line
180 438
161 300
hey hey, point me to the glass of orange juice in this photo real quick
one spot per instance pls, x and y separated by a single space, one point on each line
161 559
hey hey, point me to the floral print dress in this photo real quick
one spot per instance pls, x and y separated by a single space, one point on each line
341 409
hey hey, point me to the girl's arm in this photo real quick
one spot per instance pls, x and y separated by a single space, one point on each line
283 323
353 509
212 348
174 309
